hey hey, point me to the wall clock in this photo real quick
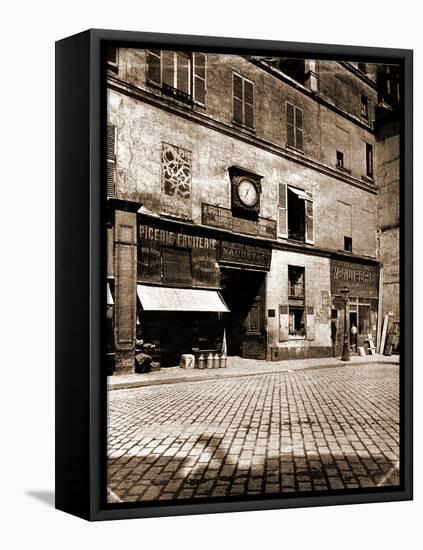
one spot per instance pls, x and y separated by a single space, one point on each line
247 192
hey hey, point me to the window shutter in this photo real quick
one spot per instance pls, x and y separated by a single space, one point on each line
249 104
290 128
154 66
309 215
282 211
199 83
111 160
310 330
283 323
238 98
298 128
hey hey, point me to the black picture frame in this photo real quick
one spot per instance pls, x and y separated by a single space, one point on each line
81 214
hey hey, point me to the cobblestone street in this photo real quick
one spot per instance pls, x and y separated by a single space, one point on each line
291 431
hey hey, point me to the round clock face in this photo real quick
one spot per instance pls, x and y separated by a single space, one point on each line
247 192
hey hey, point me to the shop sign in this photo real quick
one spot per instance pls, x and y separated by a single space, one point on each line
222 218
360 279
245 254
177 257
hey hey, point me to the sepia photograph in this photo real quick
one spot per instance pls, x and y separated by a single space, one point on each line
253 275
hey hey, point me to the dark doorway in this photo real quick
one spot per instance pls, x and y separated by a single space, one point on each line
243 292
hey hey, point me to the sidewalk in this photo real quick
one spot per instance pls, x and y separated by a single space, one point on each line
238 367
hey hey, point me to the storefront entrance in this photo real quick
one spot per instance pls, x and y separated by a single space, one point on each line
244 292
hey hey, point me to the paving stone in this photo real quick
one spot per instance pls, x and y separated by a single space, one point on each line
323 429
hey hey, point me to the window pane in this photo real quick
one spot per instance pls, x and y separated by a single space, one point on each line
249 115
290 135
182 74
298 138
237 86
290 113
238 110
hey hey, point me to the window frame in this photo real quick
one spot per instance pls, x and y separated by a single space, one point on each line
347 249
243 102
304 315
369 152
192 76
365 107
296 128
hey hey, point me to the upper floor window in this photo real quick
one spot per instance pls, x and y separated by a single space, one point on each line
112 58
362 67
295 214
181 74
364 107
243 101
294 126
339 159
369 160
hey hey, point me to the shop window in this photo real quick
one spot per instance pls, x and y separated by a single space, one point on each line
296 287
180 74
364 107
177 266
369 160
339 159
297 328
111 160
243 101
294 126
348 244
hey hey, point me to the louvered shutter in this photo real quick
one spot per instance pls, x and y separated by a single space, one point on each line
309 218
290 127
111 160
238 98
282 211
283 323
248 104
154 66
298 128
310 322
182 72
199 83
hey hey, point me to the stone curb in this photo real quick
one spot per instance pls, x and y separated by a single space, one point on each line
216 375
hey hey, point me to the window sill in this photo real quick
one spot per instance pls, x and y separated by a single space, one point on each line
294 149
343 169
243 127
293 337
368 179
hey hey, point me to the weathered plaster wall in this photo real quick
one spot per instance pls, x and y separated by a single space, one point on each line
141 128
271 94
317 291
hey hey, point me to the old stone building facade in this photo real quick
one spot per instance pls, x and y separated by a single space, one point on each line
242 197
